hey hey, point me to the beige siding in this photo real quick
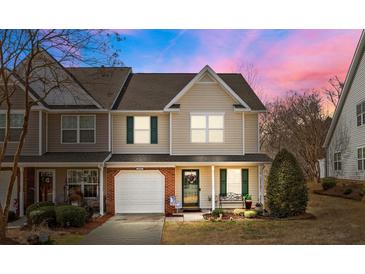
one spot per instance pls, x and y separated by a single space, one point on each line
54 135
31 140
347 126
251 124
206 183
119 125
206 98
17 100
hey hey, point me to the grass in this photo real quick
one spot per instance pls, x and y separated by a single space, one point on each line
69 239
338 221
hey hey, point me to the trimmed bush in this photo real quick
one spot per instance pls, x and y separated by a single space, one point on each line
43 214
250 213
12 216
347 191
37 206
287 192
69 215
328 182
217 211
238 211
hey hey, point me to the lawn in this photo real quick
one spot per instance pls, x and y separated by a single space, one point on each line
338 221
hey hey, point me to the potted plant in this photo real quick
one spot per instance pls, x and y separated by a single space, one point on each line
248 201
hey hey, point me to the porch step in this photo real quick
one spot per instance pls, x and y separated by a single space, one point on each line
191 209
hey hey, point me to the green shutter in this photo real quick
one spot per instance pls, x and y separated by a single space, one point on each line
244 181
223 182
153 129
130 130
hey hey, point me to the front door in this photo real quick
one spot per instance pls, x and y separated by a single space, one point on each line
45 185
190 191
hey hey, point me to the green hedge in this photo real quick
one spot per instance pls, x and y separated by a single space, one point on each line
287 192
69 215
43 214
37 206
328 182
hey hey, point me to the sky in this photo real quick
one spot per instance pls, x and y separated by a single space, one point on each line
283 59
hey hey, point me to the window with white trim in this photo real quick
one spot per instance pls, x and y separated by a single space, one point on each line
360 114
207 128
142 129
16 125
361 158
337 161
78 129
83 182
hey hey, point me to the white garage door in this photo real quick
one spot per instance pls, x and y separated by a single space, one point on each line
139 192
4 183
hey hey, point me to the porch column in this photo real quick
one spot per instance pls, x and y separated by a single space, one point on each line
213 190
261 184
101 189
21 191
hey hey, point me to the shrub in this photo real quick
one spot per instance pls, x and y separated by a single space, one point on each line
238 211
328 183
69 215
250 213
217 211
347 191
43 214
37 206
287 192
12 216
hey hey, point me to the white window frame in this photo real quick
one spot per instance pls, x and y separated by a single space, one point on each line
142 130
78 129
361 114
82 184
360 159
207 129
337 161
3 112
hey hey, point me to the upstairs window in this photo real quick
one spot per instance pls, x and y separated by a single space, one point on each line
360 114
16 125
78 129
142 130
361 158
337 161
207 128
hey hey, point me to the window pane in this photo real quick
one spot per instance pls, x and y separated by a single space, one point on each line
359 120
15 134
87 122
215 136
215 121
363 118
90 191
87 136
198 121
69 136
16 120
141 122
69 122
198 136
339 166
363 106
359 164
142 137
359 153
358 109
363 152
2 134
2 120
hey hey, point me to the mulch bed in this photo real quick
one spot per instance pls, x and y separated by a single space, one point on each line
339 191
89 226
231 216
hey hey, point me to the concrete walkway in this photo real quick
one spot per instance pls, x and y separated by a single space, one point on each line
128 229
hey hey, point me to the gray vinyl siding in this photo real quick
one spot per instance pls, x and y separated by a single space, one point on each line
119 134
206 98
17 100
54 134
44 132
31 140
347 126
251 131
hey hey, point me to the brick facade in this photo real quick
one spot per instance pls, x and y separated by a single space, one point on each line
169 174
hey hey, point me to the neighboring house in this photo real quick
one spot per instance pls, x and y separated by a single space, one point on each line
131 141
345 140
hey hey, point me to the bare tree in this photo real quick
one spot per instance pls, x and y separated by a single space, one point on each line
334 91
27 69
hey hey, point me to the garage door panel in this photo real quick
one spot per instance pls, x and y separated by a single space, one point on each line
139 192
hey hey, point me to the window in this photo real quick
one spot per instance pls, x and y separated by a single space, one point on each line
361 158
360 114
337 161
16 125
78 129
142 133
207 128
83 181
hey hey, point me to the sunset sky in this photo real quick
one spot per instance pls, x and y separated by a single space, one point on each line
284 59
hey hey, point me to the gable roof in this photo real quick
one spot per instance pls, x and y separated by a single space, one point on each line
154 91
103 83
360 49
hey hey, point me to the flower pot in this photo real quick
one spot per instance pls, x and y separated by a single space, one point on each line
248 204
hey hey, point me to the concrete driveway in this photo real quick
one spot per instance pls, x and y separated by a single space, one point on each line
128 229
